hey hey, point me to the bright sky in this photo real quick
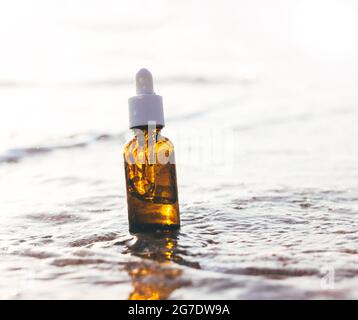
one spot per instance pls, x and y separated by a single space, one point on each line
47 40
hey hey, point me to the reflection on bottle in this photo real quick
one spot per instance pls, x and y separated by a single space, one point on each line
155 277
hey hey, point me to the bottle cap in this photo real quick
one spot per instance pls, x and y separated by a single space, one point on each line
146 106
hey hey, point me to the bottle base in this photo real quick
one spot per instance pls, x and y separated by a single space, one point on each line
149 227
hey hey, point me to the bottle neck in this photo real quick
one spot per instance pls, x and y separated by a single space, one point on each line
147 130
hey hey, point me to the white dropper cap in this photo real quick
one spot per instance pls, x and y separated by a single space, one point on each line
146 106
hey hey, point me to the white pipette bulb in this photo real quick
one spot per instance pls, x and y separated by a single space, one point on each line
144 82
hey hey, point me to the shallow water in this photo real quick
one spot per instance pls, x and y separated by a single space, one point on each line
266 161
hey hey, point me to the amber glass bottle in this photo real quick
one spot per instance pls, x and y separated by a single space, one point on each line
149 161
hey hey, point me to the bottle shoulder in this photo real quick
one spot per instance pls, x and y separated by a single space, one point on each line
130 143
165 142
139 150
